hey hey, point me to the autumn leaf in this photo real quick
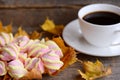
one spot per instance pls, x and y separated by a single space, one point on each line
50 27
6 77
69 58
94 70
1 25
21 32
35 35
61 44
33 74
7 29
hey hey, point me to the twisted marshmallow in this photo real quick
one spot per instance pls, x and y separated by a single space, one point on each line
9 52
22 57
5 38
41 54
52 45
37 50
52 61
34 63
26 45
3 70
21 40
16 69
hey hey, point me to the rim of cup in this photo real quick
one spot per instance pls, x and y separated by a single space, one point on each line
96 5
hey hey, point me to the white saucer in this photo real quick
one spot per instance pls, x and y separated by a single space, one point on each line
73 37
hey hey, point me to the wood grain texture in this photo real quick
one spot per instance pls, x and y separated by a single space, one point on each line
31 19
51 3
32 13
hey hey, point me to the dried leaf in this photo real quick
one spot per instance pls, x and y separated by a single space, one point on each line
1 25
50 27
69 54
21 32
35 35
33 74
61 44
59 29
6 77
7 29
69 58
94 70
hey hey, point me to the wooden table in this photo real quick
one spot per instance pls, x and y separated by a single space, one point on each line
32 13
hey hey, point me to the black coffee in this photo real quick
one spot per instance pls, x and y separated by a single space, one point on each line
102 18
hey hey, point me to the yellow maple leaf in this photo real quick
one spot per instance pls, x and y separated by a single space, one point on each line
7 29
94 70
21 32
50 27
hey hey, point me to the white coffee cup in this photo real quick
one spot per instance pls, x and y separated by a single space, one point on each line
99 35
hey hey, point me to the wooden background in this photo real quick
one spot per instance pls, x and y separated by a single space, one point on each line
32 13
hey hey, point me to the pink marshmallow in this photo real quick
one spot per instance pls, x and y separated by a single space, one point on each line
3 69
5 38
9 52
37 50
21 40
16 69
53 46
52 61
34 63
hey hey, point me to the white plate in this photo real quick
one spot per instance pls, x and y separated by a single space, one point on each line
73 37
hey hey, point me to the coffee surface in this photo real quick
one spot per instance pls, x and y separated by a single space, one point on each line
102 18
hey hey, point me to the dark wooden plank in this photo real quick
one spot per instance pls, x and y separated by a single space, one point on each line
35 17
50 3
